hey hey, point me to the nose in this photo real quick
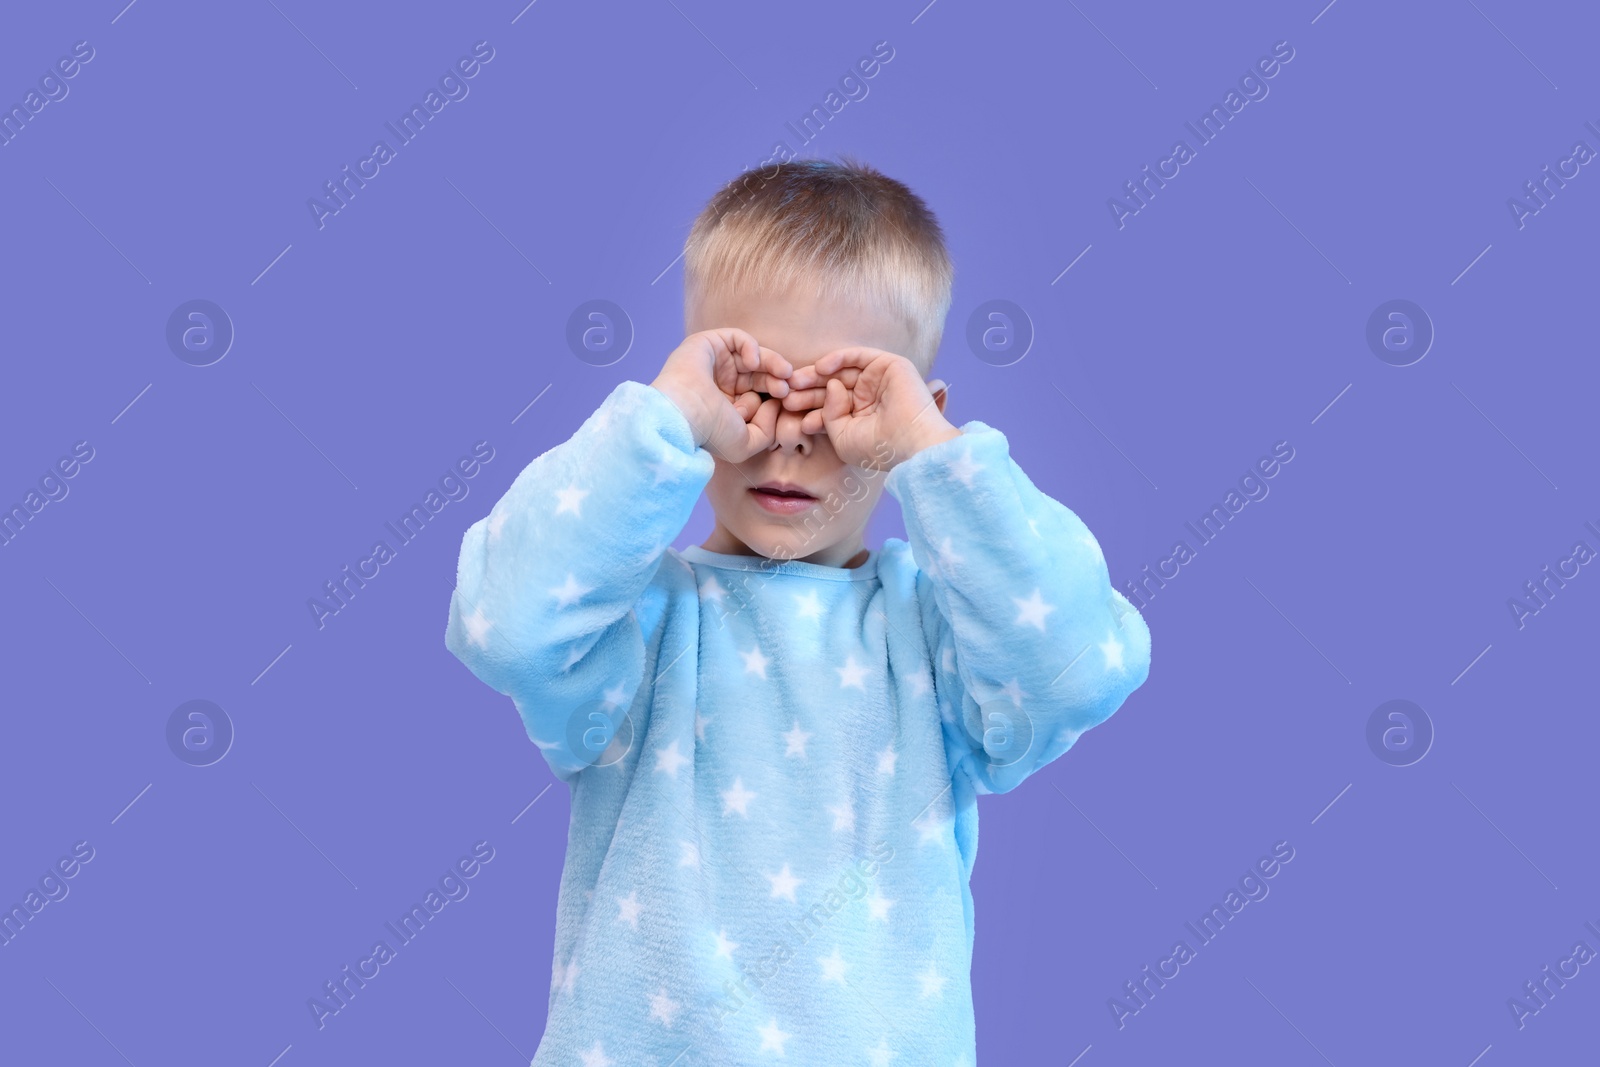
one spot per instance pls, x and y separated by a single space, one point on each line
787 437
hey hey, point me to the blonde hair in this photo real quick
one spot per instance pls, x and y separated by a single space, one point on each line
860 235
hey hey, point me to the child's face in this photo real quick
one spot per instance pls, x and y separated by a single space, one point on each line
827 527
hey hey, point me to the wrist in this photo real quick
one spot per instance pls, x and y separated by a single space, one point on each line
685 407
925 437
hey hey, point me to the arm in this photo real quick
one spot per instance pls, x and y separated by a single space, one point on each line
546 585
1031 644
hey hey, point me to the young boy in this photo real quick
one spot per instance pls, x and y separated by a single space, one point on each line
773 740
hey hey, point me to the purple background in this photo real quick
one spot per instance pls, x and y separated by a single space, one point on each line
375 351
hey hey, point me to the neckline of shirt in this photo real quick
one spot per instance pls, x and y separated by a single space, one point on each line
796 567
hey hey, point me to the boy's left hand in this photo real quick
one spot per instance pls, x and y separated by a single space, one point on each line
868 399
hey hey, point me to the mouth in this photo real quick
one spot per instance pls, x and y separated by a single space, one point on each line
782 498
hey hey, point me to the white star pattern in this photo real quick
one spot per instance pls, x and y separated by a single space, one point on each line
1111 648
795 741
881 1054
724 946
755 662
1013 690
496 521
669 759
1033 524
808 606
571 500
919 684
615 696
932 982
663 472
737 799
947 557
783 884
663 1007
852 674
962 468
1088 541
700 724
832 967
570 592
844 816
886 760
772 1038
1031 612
478 627
930 828
566 976
596 1056
878 905
947 659
710 590
688 854
628 909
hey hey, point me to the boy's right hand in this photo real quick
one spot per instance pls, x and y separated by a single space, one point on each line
715 378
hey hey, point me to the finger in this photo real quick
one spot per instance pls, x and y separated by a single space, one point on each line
857 356
775 364
836 406
762 427
807 377
805 399
746 404
811 422
762 381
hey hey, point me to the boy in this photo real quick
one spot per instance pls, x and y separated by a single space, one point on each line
773 739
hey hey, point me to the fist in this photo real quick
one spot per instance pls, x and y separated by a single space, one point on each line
874 406
719 380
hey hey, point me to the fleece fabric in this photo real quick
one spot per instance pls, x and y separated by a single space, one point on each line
773 765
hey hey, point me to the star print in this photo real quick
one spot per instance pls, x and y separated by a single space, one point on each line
664 1007
569 592
963 468
919 684
833 967
882 1053
1088 541
737 799
930 828
710 590
947 659
664 472
808 606
844 816
886 760
1031 612
783 884
1033 524
669 759
932 982
596 1056
755 662
1012 690
566 976
478 627
1111 648
878 905
700 723
724 946
571 500
772 1038
615 696
947 557
795 740
852 674
496 521
688 854
629 909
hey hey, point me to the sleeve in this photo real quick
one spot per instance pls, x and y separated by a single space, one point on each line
547 586
1031 644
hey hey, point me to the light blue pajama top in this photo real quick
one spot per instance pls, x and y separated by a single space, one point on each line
773 765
